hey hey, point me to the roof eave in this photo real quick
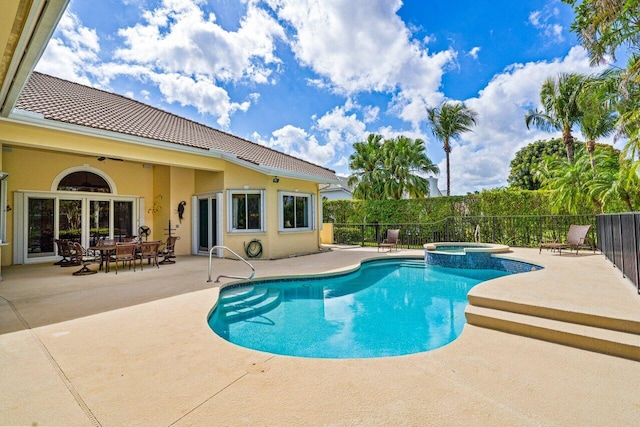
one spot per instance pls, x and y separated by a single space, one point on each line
37 29
21 116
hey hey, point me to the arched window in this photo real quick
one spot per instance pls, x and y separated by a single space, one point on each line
84 181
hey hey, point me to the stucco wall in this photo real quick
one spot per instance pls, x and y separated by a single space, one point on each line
275 244
163 178
35 170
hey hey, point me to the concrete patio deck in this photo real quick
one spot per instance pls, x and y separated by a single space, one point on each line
135 349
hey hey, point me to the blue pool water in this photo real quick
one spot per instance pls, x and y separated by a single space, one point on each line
385 308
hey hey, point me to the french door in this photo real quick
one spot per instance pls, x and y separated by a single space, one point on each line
43 217
207 220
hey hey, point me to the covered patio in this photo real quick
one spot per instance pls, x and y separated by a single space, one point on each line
135 349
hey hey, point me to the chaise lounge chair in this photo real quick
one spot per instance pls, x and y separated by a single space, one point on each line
575 240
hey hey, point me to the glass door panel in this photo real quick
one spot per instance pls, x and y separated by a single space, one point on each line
40 228
207 223
203 225
98 220
122 219
70 220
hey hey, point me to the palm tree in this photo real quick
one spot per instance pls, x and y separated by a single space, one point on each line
559 98
447 123
406 159
368 173
570 184
598 117
389 169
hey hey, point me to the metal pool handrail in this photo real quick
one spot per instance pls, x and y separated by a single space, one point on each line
253 270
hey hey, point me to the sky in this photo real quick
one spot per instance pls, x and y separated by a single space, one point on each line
312 77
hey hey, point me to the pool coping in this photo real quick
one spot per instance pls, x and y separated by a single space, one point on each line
135 349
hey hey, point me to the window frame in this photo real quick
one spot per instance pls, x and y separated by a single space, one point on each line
311 211
230 218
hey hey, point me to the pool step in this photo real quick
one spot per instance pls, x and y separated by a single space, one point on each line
260 301
621 343
252 297
235 294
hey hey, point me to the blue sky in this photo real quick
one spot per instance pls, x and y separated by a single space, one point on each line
311 77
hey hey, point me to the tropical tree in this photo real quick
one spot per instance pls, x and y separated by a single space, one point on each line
569 184
559 97
406 161
390 169
448 122
368 173
598 117
527 160
616 182
605 26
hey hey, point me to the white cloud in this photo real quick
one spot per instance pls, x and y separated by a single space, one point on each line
178 38
73 55
481 158
297 142
542 20
353 58
474 52
201 93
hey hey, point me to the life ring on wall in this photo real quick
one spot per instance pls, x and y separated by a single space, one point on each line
253 249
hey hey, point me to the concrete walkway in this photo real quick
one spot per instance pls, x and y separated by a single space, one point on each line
135 349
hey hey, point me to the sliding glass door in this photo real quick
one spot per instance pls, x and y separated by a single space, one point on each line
207 232
43 217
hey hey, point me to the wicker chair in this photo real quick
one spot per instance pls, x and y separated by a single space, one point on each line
82 256
149 251
125 252
64 250
168 251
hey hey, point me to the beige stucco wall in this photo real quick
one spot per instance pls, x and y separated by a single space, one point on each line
35 170
182 188
275 244
326 234
163 178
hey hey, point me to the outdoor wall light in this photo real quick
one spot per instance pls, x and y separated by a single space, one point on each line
276 179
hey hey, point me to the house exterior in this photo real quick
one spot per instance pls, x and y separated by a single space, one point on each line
339 191
81 163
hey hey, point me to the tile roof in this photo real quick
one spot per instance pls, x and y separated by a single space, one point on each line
68 102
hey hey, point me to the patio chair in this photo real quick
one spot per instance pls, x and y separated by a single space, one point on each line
64 250
149 251
391 241
125 252
84 257
576 239
168 251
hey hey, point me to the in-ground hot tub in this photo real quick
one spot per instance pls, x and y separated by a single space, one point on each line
473 256
462 248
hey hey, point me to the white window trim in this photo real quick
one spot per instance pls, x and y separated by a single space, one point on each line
311 213
230 194
84 168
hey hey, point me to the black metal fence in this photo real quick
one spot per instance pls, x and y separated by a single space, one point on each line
619 241
521 231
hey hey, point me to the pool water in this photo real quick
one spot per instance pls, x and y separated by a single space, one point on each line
385 308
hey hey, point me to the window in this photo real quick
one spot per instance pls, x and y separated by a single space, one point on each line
246 210
84 181
296 211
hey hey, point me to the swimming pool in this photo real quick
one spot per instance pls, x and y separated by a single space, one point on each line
385 308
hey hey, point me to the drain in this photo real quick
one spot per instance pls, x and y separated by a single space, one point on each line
257 368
